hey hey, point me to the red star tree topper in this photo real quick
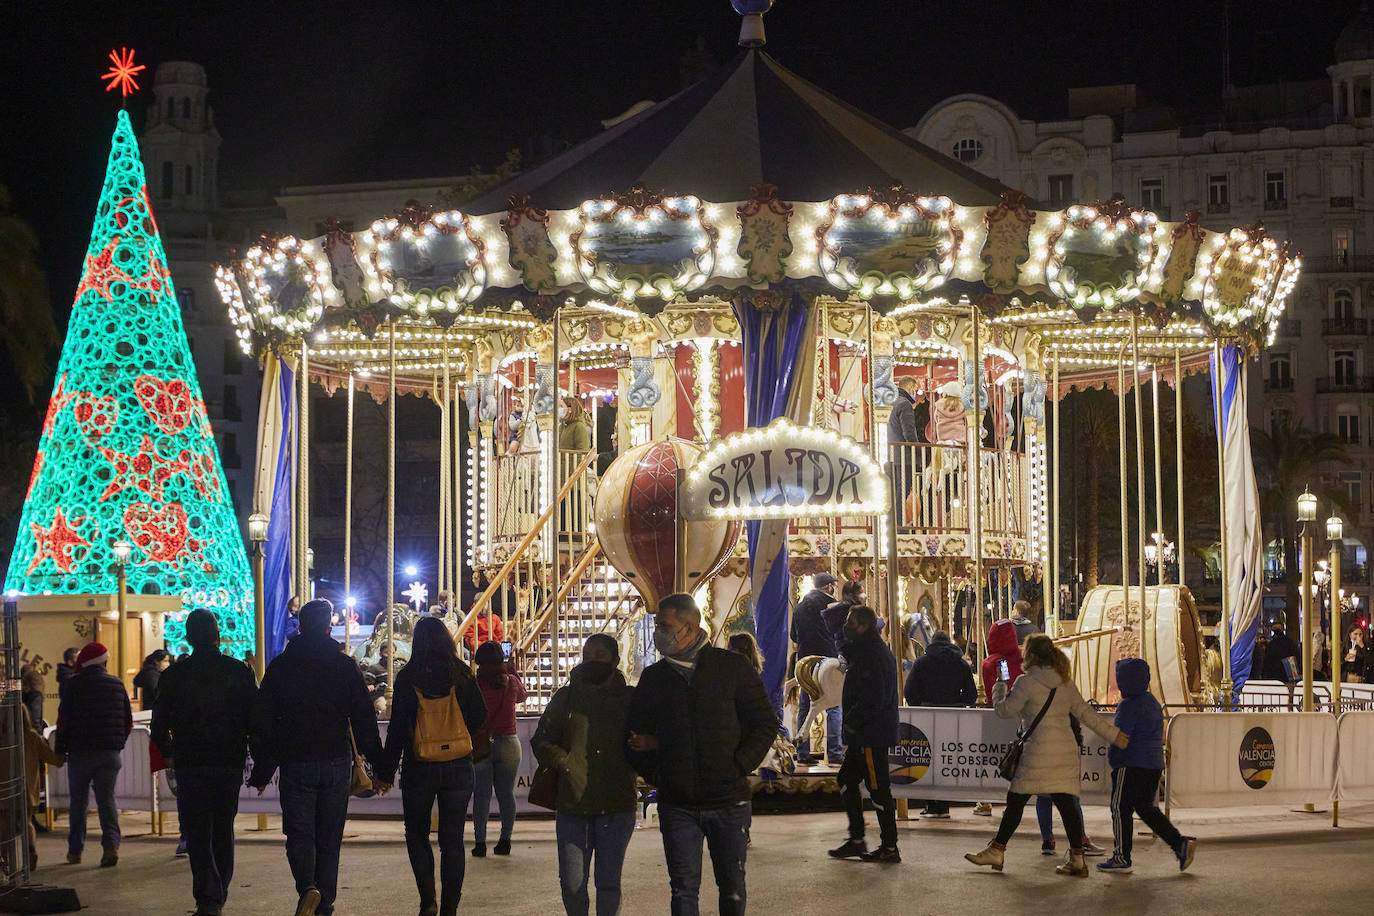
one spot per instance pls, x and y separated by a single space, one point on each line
137 461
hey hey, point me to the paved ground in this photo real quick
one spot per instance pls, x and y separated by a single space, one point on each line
1251 861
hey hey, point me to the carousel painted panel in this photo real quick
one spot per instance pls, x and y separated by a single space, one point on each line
891 243
428 261
641 245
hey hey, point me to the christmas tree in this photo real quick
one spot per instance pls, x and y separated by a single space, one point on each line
127 452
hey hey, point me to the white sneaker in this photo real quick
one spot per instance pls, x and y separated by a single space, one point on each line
983 809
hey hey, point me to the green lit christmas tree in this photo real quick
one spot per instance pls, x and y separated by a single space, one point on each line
127 452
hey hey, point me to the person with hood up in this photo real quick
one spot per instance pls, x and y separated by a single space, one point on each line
1136 770
813 637
1003 646
434 674
1049 762
940 677
582 735
870 731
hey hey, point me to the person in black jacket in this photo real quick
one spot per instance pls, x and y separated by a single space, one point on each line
200 724
93 722
146 681
311 697
1281 647
940 677
870 729
813 637
906 427
66 670
434 671
699 723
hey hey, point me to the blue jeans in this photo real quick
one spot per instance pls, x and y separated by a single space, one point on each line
450 784
207 801
496 771
314 806
726 831
582 836
1044 815
834 748
98 770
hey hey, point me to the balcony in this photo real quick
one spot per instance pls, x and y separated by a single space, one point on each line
1217 208
1339 264
1278 384
1332 327
1290 327
1276 204
1359 384
1342 203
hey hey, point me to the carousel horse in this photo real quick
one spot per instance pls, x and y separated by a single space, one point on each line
822 678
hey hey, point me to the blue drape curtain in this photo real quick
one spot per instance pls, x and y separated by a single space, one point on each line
281 518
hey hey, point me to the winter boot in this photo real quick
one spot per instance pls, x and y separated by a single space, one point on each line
991 855
110 857
1073 866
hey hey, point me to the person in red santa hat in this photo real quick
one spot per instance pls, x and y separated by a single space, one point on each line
93 722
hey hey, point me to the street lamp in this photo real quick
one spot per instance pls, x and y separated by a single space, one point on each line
121 551
257 534
1334 531
1307 513
309 571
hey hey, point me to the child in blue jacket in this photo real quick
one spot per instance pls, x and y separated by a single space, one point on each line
1136 769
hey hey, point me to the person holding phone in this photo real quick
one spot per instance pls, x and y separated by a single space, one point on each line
502 692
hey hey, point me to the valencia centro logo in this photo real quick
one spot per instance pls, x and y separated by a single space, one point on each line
1257 758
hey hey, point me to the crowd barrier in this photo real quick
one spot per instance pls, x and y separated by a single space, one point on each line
1355 760
1262 758
1279 695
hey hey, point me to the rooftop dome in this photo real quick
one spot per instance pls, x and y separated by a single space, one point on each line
1356 41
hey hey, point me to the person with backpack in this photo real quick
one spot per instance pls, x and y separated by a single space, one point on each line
436 710
311 698
582 735
1137 768
497 769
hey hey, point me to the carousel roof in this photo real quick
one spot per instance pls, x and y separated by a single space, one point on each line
751 122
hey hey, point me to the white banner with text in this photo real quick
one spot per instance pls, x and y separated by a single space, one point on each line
1265 758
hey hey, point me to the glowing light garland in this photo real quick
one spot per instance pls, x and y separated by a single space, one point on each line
127 452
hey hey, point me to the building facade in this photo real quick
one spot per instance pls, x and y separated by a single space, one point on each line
1297 157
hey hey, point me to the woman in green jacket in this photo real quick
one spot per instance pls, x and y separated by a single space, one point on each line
574 435
582 735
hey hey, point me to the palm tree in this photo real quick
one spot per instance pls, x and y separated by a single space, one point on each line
26 322
1287 460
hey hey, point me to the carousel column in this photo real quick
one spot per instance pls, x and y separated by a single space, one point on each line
1178 458
390 510
1053 509
482 458
973 399
642 392
882 395
1121 477
544 406
348 521
1036 493
1139 478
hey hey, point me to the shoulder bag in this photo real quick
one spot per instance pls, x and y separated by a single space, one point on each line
481 739
544 785
1007 769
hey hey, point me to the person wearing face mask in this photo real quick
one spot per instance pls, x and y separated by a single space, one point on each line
699 723
870 730
582 735
573 433
1356 658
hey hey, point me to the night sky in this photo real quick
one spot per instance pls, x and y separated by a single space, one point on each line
311 92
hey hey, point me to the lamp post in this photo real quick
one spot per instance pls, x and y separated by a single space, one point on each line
1334 532
121 551
349 604
257 534
310 572
1307 512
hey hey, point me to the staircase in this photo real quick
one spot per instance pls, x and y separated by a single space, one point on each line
598 600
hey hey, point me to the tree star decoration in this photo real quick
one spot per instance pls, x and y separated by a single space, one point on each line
56 542
123 72
418 593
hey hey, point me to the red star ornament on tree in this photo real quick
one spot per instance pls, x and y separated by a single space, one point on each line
56 541
122 74
147 471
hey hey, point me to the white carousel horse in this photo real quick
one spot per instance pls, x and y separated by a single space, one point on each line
823 680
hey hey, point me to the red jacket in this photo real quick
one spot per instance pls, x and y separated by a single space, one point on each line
1002 645
483 629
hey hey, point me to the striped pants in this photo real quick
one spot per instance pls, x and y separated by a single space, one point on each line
1133 791
868 766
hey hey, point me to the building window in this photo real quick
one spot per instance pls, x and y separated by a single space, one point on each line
968 150
186 108
188 175
1152 194
232 410
1280 418
1343 367
1340 246
1343 306
1348 427
1275 190
1219 193
166 181
1350 483
170 103
233 357
1061 190
1280 371
186 298
229 450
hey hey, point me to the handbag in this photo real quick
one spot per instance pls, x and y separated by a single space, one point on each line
1007 768
544 785
481 739
441 733
361 784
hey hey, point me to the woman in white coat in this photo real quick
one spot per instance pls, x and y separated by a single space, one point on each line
1049 761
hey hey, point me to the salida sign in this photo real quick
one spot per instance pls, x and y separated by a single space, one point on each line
784 471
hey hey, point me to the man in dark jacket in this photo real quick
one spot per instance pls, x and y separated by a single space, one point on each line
66 670
1020 618
200 724
311 696
93 722
870 730
940 677
699 723
813 637
906 426
1281 647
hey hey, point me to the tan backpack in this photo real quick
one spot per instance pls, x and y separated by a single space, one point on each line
441 734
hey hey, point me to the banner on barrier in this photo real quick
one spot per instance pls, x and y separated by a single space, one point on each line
952 754
1229 759
1355 761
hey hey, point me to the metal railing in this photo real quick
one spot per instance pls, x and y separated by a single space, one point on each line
1363 384
1339 264
1278 384
932 484
1335 326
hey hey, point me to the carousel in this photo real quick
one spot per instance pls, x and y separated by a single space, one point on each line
747 277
